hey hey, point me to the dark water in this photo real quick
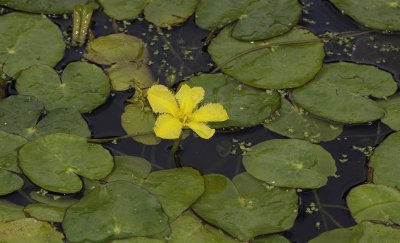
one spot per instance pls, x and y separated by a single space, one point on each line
213 156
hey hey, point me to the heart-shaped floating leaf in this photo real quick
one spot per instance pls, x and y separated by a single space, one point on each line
115 48
28 40
290 163
130 75
10 144
115 210
294 122
340 90
246 106
374 203
271 239
385 161
55 162
43 6
60 121
19 113
257 20
82 86
9 182
162 13
29 230
10 211
140 121
260 64
188 228
45 212
246 207
130 168
376 14
392 112
360 233
139 240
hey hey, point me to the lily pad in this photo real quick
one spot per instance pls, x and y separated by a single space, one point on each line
385 161
115 48
361 233
140 121
43 6
28 40
9 182
82 86
245 105
271 239
290 163
341 89
130 168
162 13
138 240
257 20
55 162
246 207
177 189
294 122
29 230
375 203
10 211
188 228
115 210
130 75
10 144
19 113
263 67
392 112
45 212
375 14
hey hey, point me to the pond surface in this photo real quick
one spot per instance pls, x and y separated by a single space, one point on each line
180 52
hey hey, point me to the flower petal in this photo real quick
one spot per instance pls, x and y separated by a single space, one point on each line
168 127
201 129
162 100
189 98
210 113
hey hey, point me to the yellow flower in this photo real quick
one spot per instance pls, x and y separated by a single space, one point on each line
181 111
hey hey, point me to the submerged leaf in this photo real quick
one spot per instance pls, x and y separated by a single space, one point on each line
10 211
45 212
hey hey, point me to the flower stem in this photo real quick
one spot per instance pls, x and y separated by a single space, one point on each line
174 154
114 139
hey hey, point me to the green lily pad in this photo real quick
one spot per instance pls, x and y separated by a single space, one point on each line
177 189
43 6
138 240
294 122
246 207
115 48
263 68
28 40
385 162
392 112
162 13
257 20
138 121
128 75
53 199
9 182
375 14
374 203
340 90
60 121
45 212
55 162
271 239
10 211
130 168
361 233
245 105
10 144
19 113
290 163
82 86
115 210
29 230
188 228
